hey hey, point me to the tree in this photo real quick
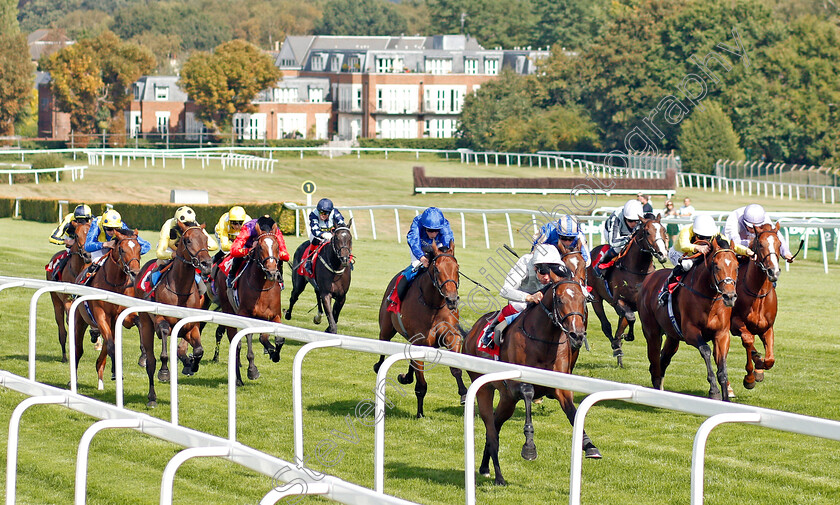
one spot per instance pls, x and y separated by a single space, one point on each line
16 71
91 79
707 136
226 81
505 23
360 17
556 129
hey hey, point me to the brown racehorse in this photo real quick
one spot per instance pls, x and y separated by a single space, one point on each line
78 261
332 272
176 286
702 308
258 293
632 266
755 310
116 273
545 335
430 313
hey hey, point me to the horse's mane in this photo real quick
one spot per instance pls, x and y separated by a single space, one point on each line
127 234
722 242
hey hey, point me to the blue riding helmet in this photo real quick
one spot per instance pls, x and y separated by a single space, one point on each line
325 205
567 226
432 219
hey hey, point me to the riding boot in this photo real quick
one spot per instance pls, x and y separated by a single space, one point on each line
402 288
308 266
58 268
498 331
606 258
487 335
234 269
665 291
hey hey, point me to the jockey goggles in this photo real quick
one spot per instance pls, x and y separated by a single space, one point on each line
545 268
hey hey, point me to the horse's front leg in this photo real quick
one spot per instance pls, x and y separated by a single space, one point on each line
253 373
220 331
59 311
319 300
420 387
162 329
566 400
193 337
183 357
108 340
721 350
327 300
273 350
529 449
768 338
748 341
706 353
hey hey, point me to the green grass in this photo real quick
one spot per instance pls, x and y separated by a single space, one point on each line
646 451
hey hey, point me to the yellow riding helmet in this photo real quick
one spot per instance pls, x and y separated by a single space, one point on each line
185 215
237 213
112 219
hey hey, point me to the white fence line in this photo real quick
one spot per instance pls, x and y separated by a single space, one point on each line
76 172
769 189
336 488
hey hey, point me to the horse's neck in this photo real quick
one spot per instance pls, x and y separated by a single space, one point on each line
702 279
75 263
182 274
112 274
755 279
637 259
427 290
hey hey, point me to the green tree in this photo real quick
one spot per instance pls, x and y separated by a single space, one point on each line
572 24
558 128
505 23
226 81
707 136
91 79
360 17
16 71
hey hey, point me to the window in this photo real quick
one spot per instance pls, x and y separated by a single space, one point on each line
285 95
137 95
396 128
354 64
444 99
491 67
440 128
249 126
389 65
195 128
134 123
357 98
471 66
291 126
396 99
161 92
439 66
162 122
318 61
335 63
316 94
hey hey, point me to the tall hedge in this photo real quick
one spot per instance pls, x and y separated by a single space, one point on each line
707 136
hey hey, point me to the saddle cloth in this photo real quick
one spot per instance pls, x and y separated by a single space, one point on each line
51 266
313 251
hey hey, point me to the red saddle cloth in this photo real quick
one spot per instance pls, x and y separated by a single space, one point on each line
395 304
600 251
53 264
145 283
313 251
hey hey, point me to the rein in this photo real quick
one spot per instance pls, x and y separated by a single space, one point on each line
715 283
555 319
432 271
637 232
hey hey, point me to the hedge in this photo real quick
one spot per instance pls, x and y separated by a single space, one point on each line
146 216
426 143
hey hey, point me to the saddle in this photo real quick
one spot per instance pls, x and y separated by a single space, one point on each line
52 266
310 254
225 267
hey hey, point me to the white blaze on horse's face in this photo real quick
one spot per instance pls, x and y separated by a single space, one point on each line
774 259
570 292
660 242
131 245
573 263
271 249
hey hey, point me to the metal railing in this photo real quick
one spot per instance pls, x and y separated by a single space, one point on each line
76 172
768 188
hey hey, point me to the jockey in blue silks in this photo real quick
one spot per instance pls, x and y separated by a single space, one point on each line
567 229
430 226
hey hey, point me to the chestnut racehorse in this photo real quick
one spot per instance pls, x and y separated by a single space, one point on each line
546 335
755 310
258 296
78 261
701 311
332 272
176 286
429 317
116 273
632 266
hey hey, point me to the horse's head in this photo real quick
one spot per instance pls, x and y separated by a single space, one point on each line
652 238
568 310
342 243
126 253
265 251
573 259
192 248
78 247
443 268
723 267
768 250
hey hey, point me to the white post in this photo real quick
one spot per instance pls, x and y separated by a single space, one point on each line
463 231
84 450
33 319
510 230
297 391
372 224
232 353
698 453
397 220
486 233
278 493
173 357
118 358
168 480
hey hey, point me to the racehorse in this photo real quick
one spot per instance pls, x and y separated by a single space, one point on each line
256 295
176 286
78 261
332 276
546 335
700 312
116 273
430 313
755 309
632 266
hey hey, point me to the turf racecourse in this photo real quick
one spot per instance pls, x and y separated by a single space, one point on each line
647 451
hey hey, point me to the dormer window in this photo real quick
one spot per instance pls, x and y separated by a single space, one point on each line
161 92
318 62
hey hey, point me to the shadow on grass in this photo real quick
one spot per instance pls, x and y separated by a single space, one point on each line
451 476
342 408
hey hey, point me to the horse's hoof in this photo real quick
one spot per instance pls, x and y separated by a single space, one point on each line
114 377
618 352
620 361
141 361
163 375
715 396
629 337
64 359
288 315
759 375
188 371
152 404
729 391
484 473
253 373
195 367
748 385
376 367
420 415
592 453
239 383
317 319
500 481
215 359
529 452
463 399
331 330
403 379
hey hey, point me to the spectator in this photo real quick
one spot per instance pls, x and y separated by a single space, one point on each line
687 210
647 208
673 229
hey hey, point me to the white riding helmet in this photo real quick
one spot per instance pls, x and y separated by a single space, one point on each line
704 225
633 210
754 214
547 254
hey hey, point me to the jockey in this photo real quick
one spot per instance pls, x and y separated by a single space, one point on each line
430 226
228 228
703 228
524 284
170 235
65 233
250 231
322 222
619 227
741 223
566 229
100 237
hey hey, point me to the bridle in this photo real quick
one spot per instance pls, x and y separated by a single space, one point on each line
716 283
262 261
759 259
125 266
554 313
339 249
193 257
434 271
644 245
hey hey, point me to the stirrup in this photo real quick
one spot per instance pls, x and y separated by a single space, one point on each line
663 297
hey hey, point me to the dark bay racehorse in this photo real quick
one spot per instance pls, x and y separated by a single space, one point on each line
545 335
702 308
332 276
117 274
632 266
176 286
755 309
257 295
429 317
78 261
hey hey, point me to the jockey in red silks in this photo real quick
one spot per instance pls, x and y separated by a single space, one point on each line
250 231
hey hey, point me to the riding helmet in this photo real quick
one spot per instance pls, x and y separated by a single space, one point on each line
633 210
112 219
82 212
567 226
185 214
325 205
547 254
432 219
237 213
704 226
754 214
